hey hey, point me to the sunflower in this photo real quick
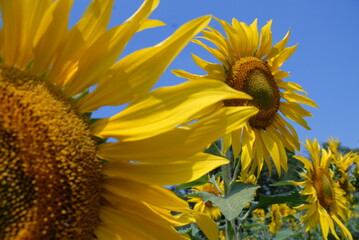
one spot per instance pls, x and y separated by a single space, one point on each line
343 164
259 214
207 207
60 179
328 205
249 63
276 213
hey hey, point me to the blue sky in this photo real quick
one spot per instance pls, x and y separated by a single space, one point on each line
324 64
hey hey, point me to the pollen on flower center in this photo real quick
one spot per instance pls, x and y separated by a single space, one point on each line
252 76
49 173
324 188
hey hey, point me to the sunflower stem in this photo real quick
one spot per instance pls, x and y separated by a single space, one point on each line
227 179
235 174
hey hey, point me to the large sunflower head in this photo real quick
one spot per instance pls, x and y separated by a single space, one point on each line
207 207
327 203
59 178
251 64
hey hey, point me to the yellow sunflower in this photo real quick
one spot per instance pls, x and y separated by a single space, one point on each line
249 63
276 213
207 207
343 163
276 219
59 178
328 206
259 214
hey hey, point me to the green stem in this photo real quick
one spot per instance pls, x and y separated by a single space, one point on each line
227 180
235 174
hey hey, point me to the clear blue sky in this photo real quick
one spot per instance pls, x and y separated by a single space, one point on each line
325 63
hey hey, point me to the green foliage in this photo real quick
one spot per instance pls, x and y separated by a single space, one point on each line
293 198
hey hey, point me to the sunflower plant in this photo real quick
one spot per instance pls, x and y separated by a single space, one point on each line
60 178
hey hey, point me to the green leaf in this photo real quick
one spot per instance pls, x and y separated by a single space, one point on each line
291 198
232 204
282 183
214 182
198 182
284 234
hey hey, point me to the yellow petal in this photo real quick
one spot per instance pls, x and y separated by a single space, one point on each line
207 225
50 34
278 47
20 20
209 67
295 97
265 43
193 138
295 112
283 56
105 51
290 86
215 52
94 21
186 75
163 109
102 232
236 143
171 173
226 142
136 224
342 227
136 74
150 23
155 195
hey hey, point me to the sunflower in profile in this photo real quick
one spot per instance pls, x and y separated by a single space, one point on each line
343 162
207 207
249 63
59 178
328 205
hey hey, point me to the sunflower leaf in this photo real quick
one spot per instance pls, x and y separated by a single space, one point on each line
291 198
232 204
282 183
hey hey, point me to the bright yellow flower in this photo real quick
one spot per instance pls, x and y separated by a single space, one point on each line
207 207
222 234
277 212
250 63
276 219
59 180
343 162
260 214
328 206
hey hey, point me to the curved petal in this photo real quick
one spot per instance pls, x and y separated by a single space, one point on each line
164 108
193 138
170 173
136 74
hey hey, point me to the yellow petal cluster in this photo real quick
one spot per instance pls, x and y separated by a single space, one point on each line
328 206
46 71
250 63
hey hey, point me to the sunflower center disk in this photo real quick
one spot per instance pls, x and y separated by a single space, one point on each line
252 76
50 176
324 189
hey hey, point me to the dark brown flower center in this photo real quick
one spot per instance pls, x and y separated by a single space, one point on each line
49 173
252 76
324 188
